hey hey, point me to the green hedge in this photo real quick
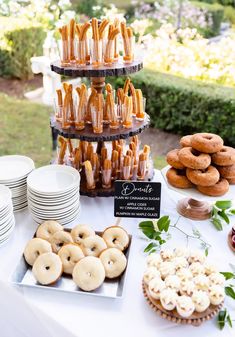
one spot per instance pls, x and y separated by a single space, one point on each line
185 106
19 41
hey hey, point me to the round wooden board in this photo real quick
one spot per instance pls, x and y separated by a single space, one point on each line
116 69
230 241
194 209
195 319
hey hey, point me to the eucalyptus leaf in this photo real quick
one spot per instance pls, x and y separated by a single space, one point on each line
230 292
149 233
217 223
228 275
161 223
232 211
224 204
224 216
206 251
149 247
146 225
167 224
228 318
221 318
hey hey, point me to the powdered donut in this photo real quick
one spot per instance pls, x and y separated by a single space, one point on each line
172 159
34 248
70 254
192 159
208 177
207 142
186 141
217 190
116 237
225 157
59 239
81 232
227 171
47 269
47 229
93 245
114 262
89 273
177 178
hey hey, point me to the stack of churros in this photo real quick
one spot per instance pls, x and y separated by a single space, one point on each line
65 46
81 107
83 54
109 49
127 37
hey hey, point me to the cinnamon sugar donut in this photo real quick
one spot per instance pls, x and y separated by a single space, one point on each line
225 157
172 159
227 171
34 248
70 254
59 239
231 181
47 229
192 159
208 177
217 190
47 269
207 142
177 178
186 141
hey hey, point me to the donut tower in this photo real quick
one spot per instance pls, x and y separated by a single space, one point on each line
93 122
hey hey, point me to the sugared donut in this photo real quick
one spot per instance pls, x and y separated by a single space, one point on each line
81 232
231 181
225 157
186 141
208 177
89 273
47 229
34 248
173 159
217 190
114 262
70 254
93 245
177 178
116 237
227 171
47 269
59 239
192 159
207 142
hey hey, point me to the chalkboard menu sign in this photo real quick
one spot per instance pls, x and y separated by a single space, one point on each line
135 199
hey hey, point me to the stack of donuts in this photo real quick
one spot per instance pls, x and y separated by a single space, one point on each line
87 257
202 162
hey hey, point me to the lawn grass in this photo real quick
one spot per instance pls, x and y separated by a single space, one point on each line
160 162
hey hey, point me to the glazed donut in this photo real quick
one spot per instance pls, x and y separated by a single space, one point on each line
34 248
59 239
208 177
116 237
89 273
93 245
172 159
47 229
47 269
192 159
186 141
114 262
70 254
177 178
231 181
227 171
217 190
81 232
225 157
207 142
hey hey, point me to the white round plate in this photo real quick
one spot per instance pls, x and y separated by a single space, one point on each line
58 204
8 231
62 222
56 200
6 227
52 197
5 196
21 209
49 207
17 183
6 210
14 167
52 213
6 219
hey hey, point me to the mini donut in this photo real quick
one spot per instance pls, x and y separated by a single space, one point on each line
93 245
70 254
116 237
227 171
217 190
192 159
34 248
177 178
207 142
47 268
186 141
47 229
89 273
225 157
59 239
114 262
81 232
231 181
173 159
208 177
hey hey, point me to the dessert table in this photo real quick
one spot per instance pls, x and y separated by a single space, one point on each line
85 315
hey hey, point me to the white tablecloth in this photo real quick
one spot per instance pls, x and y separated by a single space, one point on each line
86 316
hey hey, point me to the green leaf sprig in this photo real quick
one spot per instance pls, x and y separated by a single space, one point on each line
221 212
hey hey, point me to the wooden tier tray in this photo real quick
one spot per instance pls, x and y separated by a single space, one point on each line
230 243
195 319
107 134
116 69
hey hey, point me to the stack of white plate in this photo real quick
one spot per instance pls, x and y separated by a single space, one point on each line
7 220
13 174
53 193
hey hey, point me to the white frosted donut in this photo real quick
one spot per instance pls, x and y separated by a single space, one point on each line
81 232
93 245
47 269
116 237
47 229
59 239
70 254
89 273
114 262
34 248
